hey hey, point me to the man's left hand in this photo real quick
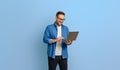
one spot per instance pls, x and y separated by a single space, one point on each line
68 42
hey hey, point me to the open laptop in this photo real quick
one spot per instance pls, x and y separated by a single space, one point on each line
72 35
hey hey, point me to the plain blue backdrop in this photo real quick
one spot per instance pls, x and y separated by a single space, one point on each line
22 24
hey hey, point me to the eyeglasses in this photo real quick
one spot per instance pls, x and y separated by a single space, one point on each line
60 19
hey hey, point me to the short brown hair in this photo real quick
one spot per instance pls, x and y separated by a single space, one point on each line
60 12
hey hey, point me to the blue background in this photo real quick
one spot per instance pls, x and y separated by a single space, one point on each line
22 24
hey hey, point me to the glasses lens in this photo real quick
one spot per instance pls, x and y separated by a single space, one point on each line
60 18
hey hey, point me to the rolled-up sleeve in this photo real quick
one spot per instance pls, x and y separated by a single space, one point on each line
46 37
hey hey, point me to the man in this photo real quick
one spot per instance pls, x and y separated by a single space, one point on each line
55 36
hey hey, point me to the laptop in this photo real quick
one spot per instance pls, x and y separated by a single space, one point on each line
72 35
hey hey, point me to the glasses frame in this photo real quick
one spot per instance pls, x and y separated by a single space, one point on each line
61 19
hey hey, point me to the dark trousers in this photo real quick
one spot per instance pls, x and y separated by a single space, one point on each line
52 63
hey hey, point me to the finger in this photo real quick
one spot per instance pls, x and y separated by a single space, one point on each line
69 40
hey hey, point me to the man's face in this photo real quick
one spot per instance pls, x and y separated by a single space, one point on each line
59 19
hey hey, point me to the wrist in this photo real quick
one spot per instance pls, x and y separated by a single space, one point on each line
55 40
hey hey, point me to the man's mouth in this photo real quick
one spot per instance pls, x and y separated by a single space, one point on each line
60 21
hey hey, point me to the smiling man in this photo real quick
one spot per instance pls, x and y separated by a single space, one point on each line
55 36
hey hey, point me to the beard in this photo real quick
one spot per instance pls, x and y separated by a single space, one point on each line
59 23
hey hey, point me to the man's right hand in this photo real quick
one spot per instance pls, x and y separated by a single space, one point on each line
58 39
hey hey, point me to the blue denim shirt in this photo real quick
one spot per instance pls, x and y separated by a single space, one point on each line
51 33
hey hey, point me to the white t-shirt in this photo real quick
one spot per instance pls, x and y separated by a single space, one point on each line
58 51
